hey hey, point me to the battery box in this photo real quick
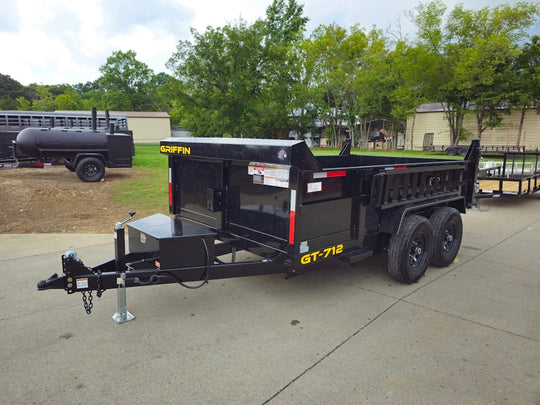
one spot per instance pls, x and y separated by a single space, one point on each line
177 243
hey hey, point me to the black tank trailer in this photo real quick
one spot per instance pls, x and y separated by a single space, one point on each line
84 151
291 209
12 122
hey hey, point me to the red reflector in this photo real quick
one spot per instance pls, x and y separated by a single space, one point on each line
170 194
399 167
292 221
40 164
292 217
337 173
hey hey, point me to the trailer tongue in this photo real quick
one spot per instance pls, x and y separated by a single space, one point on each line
290 209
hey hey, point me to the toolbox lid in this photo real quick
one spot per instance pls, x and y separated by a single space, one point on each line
161 227
279 151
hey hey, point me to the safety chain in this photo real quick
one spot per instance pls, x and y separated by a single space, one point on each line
88 305
87 302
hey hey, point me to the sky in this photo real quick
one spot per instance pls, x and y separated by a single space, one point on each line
66 41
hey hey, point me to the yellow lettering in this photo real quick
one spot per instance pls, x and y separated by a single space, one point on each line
306 259
179 150
309 258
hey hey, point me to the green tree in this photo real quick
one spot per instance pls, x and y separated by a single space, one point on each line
325 56
487 41
10 90
471 53
374 82
238 80
44 99
219 80
23 104
415 81
283 31
127 83
70 99
526 81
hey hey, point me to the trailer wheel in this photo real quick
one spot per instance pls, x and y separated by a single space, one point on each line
447 234
409 251
90 169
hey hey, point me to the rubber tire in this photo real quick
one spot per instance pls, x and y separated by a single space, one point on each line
405 262
447 234
451 152
90 169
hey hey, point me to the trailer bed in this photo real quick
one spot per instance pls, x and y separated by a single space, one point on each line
517 173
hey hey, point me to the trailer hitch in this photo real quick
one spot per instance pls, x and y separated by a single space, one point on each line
53 282
77 277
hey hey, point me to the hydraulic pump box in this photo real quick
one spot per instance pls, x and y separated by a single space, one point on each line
178 243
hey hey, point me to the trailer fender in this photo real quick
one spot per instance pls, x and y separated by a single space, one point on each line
392 219
78 157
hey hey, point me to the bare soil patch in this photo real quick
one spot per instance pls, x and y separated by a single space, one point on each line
54 200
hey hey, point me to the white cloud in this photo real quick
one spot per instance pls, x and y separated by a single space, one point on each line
65 41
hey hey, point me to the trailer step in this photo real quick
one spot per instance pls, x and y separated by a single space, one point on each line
355 255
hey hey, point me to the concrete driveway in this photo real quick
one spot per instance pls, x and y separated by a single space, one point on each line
469 333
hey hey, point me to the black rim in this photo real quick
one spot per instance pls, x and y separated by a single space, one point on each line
417 250
449 237
90 170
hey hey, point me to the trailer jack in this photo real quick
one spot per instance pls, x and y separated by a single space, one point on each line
122 315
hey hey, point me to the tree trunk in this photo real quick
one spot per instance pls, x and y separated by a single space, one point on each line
520 128
455 115
479 120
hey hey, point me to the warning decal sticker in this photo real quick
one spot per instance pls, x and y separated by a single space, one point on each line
270 174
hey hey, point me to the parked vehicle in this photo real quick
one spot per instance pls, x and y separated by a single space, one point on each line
510 173
84 151
12 122
292 209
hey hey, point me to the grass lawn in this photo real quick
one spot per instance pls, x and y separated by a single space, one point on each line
148 190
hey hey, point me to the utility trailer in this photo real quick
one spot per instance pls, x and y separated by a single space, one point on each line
291 209
514 173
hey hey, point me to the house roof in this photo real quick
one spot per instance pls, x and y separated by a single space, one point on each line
128 114
146 114
430 107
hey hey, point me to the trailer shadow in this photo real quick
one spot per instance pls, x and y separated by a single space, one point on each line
507 202
324 282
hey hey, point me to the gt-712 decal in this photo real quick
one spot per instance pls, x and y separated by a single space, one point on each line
312 257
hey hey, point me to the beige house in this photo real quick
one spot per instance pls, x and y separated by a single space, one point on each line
148 127
430 126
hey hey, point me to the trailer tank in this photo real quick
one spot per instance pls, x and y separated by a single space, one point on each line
86 151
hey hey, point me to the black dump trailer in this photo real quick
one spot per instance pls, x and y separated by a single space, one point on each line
291 209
